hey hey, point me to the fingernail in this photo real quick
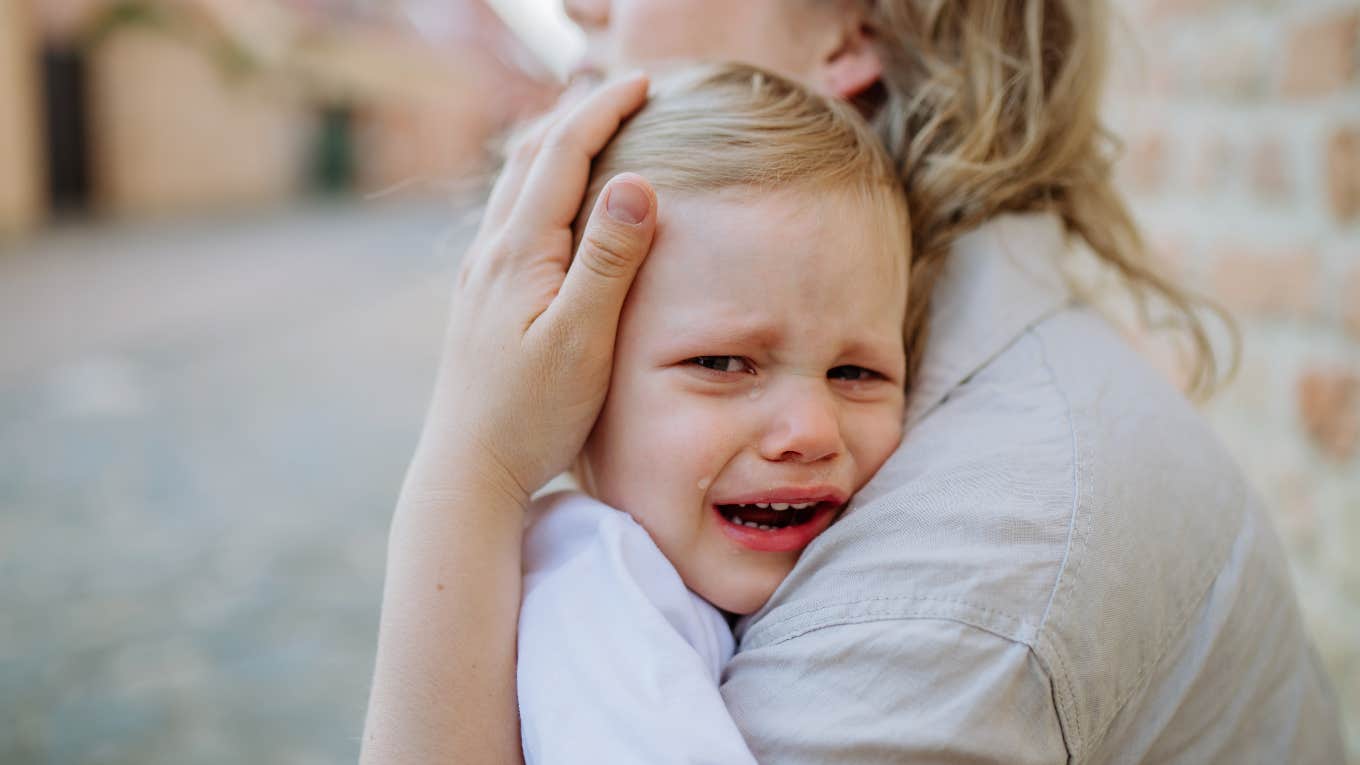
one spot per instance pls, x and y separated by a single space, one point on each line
627 203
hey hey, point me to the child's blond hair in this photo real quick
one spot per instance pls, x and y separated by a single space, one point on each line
717 127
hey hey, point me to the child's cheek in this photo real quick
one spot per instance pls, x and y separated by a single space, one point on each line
697 436
872 436
692 435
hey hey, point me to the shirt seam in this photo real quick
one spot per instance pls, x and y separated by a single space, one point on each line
1181 619
870 618
1020 624
1072 436
1067 703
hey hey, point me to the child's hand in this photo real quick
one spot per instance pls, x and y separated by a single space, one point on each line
530 342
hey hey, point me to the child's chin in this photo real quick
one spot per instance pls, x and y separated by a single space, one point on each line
741 601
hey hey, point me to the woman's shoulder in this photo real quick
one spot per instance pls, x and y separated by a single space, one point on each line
1063 496
1065 473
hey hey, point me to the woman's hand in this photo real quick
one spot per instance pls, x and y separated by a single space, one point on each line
525 367
530 341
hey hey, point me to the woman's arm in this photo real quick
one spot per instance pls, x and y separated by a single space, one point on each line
524 371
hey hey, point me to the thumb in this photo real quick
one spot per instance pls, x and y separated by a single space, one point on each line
617 237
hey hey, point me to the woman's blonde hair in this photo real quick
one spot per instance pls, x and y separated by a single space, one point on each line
714 127
992 106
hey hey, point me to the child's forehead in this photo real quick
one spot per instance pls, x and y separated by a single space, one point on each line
842 235
729 257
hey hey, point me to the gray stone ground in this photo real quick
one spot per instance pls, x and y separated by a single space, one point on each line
203 428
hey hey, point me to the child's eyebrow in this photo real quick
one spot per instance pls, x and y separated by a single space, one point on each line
736 332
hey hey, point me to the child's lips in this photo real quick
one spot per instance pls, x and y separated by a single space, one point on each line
789 495
791 538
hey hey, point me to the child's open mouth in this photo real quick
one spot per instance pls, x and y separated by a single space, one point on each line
767 516
776 526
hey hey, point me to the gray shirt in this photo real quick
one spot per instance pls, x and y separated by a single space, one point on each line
1059 564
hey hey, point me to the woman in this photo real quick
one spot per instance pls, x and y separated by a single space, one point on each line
1058 564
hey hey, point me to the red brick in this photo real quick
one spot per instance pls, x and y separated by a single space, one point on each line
1236 69
1329 407
1320 57
1269 170
1350 304
1343 172
1267 283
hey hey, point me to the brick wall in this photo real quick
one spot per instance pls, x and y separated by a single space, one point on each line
1242 127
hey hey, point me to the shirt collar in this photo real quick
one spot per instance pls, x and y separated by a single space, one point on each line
1000 279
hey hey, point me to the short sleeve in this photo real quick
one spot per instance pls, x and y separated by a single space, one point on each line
900 690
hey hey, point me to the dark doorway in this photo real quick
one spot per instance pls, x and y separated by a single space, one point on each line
68 156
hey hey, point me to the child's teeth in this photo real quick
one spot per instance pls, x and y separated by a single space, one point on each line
802 505
763 527
779 506
762 505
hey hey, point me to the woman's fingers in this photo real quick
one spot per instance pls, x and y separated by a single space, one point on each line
556 182
616 240
523 149
510 186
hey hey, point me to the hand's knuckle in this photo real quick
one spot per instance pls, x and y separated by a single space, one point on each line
561 140
605 256
528 138
507 247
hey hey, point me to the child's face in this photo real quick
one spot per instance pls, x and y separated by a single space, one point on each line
759 360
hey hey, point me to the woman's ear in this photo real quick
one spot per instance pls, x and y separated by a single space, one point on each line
852 65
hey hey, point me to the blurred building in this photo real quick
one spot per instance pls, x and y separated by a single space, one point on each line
20 181
158 106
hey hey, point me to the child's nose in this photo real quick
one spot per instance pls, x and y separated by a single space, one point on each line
803 425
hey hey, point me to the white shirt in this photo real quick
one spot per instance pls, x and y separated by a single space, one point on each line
1060 564
618 661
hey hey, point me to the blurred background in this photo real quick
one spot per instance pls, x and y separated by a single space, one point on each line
225 231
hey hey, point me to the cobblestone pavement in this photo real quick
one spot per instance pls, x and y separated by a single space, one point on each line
203 428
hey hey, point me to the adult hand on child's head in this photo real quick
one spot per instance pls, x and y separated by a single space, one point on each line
530 342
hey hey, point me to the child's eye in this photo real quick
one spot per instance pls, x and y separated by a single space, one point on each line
723 363
853 373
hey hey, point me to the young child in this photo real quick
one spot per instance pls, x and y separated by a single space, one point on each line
758 383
